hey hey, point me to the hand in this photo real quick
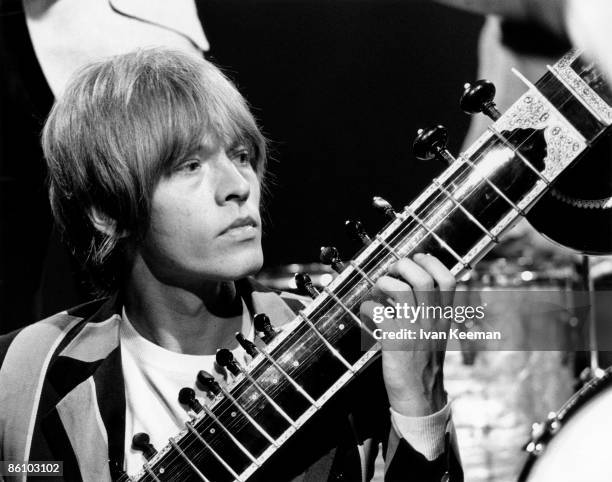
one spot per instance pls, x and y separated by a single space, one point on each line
412 369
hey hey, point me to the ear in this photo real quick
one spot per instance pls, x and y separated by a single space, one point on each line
105 224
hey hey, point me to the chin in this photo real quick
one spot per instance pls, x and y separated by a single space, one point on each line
242 265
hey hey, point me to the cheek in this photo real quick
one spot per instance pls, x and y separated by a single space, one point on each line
255 196
177 244
177 226
168 219
176 206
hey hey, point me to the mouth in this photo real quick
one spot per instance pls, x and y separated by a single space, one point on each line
241 227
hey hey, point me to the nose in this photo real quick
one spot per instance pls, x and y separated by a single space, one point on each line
232 184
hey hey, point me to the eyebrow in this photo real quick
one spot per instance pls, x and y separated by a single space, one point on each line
203 148
206 149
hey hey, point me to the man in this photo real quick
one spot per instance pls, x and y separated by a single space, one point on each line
156 168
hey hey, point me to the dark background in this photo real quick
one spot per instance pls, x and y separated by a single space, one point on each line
340 88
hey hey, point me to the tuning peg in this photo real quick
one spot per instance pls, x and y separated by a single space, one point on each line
356 230
264 327
383 205
187 397
248 346
225 358
208 382
431 143
142 443
329 255
478 97
304 284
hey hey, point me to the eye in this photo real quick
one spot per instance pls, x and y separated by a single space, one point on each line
191 165
242 156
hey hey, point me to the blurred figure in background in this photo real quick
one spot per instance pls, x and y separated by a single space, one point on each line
585 22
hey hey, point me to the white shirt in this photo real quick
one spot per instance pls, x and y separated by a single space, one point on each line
153 377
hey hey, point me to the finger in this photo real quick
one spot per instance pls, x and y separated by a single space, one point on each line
413 274
442 277
393 290
420 280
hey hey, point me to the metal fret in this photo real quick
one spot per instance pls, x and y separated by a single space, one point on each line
123 477
443 177
215 454
465 211
335 352
519 154
388 247
267 397
149 471
437 238
482 246
352 315
295 384
237 442
563 71
518 210
191 464
577 95
363 274
341 382
259 428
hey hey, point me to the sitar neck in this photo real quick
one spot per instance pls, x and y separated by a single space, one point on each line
458 218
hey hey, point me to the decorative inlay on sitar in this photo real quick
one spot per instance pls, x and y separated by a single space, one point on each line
458 219
577 211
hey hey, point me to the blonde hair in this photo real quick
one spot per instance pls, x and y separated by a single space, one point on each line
122 124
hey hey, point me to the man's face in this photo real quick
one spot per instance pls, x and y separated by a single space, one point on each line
205 223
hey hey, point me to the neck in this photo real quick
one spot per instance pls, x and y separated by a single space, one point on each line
182 320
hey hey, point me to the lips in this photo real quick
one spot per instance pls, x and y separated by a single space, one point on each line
244 222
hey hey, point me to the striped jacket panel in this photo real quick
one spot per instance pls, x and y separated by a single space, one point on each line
62 398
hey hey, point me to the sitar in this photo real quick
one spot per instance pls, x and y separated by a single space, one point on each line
458 219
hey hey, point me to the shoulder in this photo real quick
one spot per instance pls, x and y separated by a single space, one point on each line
34 337
5 343
25 358
46 335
